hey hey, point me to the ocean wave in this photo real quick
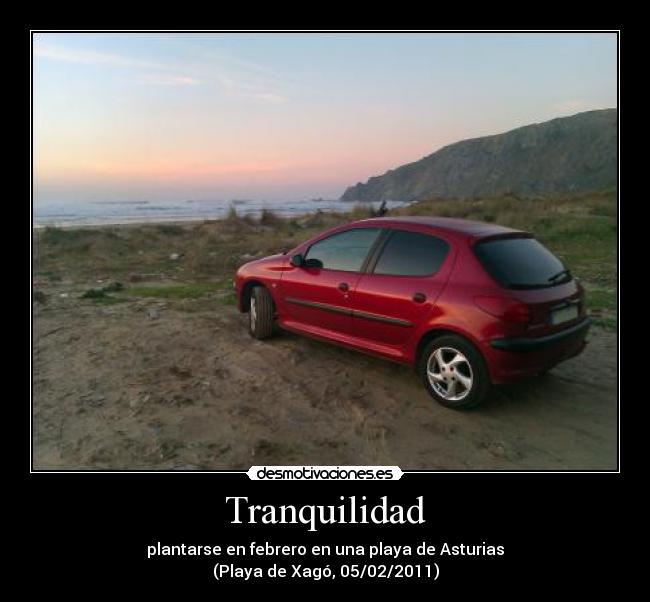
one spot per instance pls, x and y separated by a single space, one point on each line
119 202
159 208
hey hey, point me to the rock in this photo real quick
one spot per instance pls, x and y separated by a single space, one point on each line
174 256
63 295
153 314
97 402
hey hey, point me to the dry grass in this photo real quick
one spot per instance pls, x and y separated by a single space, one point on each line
580 229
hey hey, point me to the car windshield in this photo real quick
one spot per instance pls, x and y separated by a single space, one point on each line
521 263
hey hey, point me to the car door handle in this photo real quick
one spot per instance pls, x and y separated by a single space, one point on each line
343 287
419 297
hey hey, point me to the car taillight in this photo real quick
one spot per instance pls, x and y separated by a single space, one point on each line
504 308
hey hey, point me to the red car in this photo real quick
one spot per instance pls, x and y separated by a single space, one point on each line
467 303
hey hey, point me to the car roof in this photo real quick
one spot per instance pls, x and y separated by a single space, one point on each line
470 228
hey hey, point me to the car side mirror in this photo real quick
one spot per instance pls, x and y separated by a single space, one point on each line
297 261
313 263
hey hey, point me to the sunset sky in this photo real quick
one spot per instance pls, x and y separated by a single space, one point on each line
286 116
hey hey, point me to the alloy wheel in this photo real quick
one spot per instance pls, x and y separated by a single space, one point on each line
450 374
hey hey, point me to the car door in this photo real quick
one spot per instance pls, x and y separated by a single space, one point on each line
401 287
318 298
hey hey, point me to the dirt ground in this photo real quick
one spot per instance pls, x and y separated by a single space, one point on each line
146 385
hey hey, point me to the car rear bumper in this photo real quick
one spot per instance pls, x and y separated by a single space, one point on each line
514 358
527 344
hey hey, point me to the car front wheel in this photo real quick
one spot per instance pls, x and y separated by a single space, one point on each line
454 372
261 313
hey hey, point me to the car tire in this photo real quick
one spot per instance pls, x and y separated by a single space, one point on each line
454 372
261 313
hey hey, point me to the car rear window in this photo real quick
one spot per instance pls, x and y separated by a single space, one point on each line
521 263
411 254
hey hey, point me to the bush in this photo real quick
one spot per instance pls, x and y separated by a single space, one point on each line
235 222
100 293
113 287
93 293
269 218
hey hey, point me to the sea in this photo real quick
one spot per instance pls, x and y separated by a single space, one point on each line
94 213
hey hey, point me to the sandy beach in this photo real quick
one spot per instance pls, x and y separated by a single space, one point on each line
155 368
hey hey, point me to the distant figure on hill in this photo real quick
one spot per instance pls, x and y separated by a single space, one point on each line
383 210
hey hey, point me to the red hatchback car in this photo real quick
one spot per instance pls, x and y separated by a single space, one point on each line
467 303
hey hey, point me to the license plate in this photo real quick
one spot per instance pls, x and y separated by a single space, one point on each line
565 314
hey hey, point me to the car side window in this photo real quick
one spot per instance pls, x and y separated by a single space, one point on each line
411 254
344 251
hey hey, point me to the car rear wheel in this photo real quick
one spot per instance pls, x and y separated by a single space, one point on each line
454 372
261 312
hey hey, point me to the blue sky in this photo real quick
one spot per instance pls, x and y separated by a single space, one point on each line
287 116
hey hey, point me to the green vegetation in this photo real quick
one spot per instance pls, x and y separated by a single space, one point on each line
229 298
51 276
174 291
94 293
170 229
580 229
100 296
113 287
100 293
52 235
602 299
607 322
